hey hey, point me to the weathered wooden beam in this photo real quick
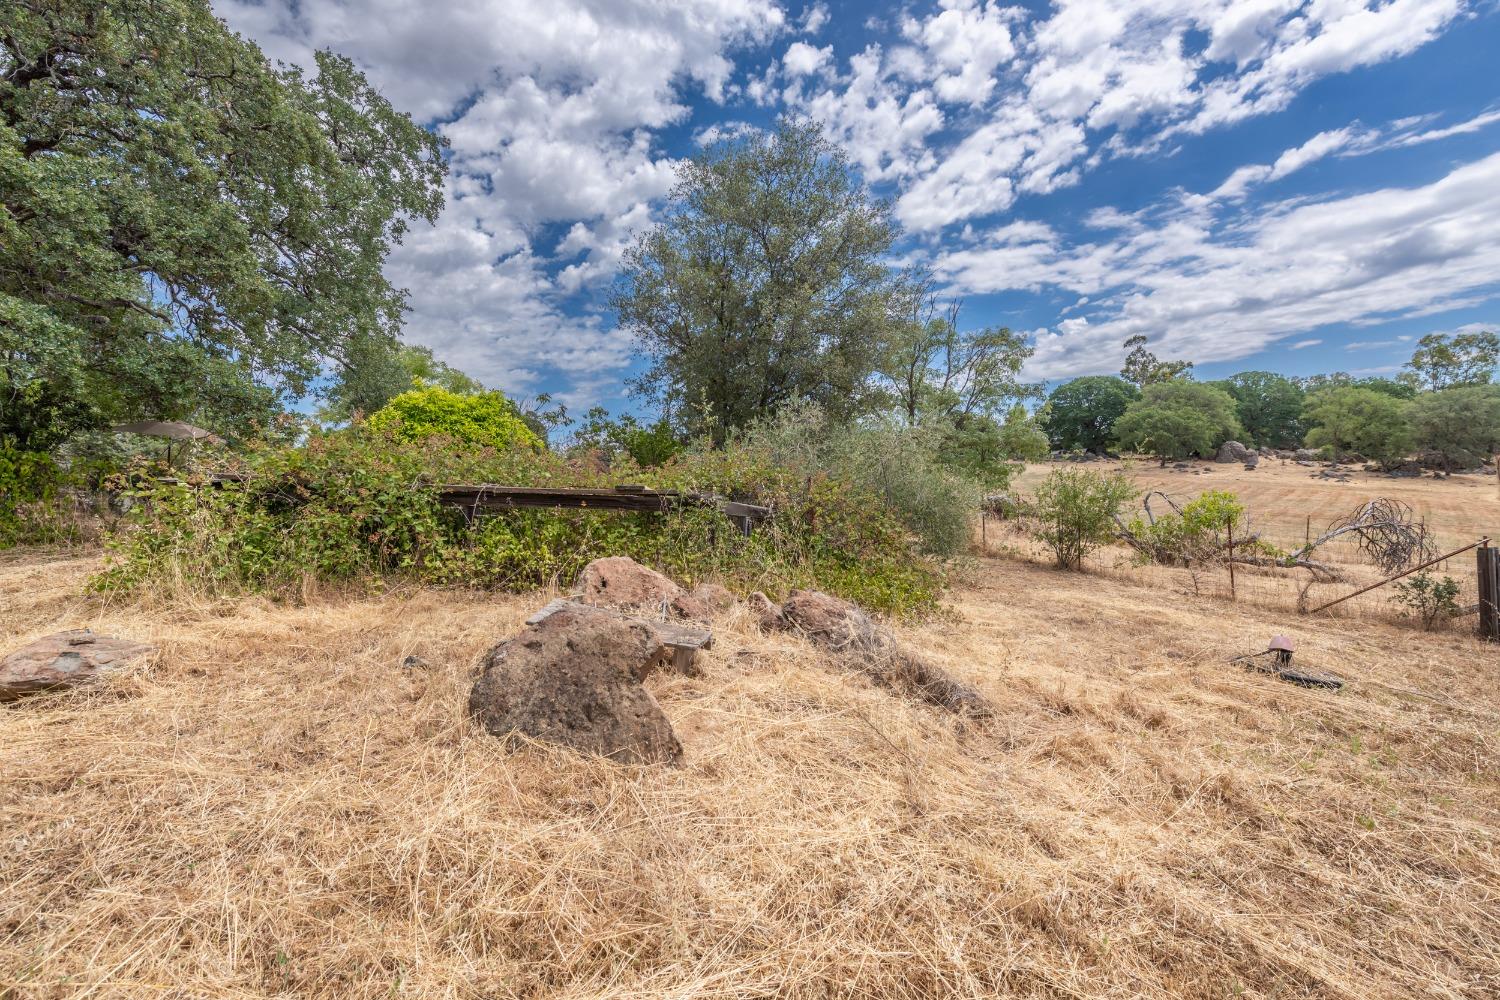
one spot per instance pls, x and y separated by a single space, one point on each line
492 497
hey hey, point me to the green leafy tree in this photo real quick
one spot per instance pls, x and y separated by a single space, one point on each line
1081 414
487 419
940 372
1269 407
647 444
958 383
1340 380
1143 368
1074 511
1178 418
1461 424
1022 437
1363 421
375 370
178 218
1442 361
767 280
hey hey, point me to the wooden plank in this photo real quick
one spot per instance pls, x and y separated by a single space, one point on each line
491 497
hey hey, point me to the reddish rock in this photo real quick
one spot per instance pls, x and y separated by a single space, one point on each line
621 582
766 611
839 627
64 660
574 678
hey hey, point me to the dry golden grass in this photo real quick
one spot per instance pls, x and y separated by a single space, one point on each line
1285 505
275 808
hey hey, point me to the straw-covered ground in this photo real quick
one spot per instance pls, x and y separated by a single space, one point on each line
274 807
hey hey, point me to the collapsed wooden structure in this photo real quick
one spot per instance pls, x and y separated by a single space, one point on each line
474 500
482 498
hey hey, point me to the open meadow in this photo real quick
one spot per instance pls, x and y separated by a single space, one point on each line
274 807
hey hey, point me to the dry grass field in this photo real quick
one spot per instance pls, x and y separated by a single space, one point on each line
1285 505
273 807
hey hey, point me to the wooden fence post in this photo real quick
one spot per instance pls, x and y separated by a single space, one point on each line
1230 530
1488 560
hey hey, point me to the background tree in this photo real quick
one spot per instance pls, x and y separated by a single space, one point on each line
941 372
1349 419
1269 408
1175 419
1143 368
767 280
1310 384
1445 362
1462 425
179 220
611 437
375 370
958 383
1080 415
1022 437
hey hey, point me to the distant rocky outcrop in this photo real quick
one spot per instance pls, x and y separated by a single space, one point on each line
1231 452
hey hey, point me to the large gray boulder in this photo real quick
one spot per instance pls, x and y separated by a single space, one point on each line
842 628
621 582
574 678
65 660
1231 452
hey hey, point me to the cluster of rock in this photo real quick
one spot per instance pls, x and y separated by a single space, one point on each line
575 675
1232 451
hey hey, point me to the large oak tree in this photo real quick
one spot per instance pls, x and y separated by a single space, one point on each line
183 226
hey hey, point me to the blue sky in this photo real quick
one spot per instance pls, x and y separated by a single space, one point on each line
1250 183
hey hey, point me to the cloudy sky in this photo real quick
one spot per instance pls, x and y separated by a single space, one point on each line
1251 183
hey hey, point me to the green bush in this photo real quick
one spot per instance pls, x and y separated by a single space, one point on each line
487 419
898 465
1200 532
361 506
1427 598
35 501
1074 512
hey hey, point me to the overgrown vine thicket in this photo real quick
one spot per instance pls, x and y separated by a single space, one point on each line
360 506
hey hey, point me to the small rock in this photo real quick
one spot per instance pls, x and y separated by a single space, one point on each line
64 660
574 678
1251 461
840 627
766 611
621 582
414 663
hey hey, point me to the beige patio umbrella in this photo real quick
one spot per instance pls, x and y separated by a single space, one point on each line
174 430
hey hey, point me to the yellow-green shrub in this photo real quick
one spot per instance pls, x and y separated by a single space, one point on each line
487 419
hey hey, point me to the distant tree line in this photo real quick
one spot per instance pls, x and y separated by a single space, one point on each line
1442 407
